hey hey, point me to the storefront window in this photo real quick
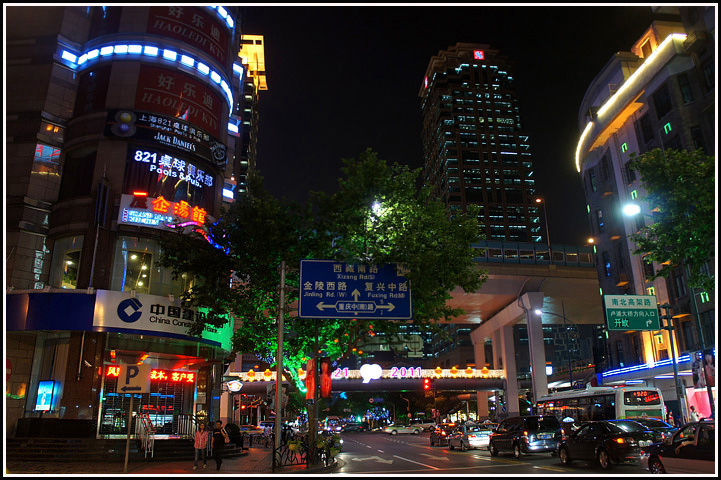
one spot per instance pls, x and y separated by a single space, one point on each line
66 262
135 268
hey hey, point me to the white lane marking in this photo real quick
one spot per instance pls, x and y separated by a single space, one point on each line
417 463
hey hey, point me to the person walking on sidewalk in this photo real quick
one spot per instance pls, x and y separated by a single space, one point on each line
200 445
220 438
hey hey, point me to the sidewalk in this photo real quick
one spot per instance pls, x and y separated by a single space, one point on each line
256 460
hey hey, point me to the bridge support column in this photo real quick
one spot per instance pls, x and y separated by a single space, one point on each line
536 348
506 357
479 354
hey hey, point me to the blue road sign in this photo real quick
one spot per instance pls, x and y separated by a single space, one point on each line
330 289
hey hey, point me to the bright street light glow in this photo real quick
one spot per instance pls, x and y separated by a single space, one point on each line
631 209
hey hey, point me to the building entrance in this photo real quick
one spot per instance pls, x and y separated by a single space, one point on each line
167 404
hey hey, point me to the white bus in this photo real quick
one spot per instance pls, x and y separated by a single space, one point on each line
603 403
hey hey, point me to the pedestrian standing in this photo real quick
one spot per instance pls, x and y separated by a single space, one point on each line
200 445
670 419
268 435
220 438
694 415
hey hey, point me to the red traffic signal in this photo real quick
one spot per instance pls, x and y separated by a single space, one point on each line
427 384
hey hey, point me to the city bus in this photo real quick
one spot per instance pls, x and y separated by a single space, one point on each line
603 403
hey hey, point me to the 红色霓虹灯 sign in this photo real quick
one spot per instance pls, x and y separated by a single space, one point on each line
330 289
631 312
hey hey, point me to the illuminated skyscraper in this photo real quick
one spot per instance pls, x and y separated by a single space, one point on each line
475 150
252 55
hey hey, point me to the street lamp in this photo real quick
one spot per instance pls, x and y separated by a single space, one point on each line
548 236
539 312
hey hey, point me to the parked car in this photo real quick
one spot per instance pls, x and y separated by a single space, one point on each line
439 435
691 450
355 427
527 434
470 435
266 423
661 429
394 429
605 441
250 429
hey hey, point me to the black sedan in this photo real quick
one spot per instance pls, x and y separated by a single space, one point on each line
605 441
355 427
439 435
661 429
692 450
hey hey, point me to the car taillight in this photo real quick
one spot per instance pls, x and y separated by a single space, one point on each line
443 434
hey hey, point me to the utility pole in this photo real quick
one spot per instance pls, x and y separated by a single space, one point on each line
680 394
279 371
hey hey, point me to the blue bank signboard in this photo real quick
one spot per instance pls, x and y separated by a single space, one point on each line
330 289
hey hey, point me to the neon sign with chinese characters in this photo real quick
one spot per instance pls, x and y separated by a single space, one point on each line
140 209
169 376
157 374
167 165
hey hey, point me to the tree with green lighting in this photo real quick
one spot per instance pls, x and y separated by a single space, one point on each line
680 188
378 215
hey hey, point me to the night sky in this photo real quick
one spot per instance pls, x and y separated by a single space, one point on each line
345 78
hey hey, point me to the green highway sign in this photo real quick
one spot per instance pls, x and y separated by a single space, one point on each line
631 312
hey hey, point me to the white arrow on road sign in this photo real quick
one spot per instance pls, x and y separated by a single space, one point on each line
389 307
374 458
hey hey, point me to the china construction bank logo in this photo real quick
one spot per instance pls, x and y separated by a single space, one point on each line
129 310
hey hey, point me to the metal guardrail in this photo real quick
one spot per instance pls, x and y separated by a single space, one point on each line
187 425
145 431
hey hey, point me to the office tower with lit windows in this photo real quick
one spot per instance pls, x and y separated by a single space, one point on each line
474 146
476 153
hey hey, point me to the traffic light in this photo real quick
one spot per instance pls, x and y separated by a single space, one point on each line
427 384
236 403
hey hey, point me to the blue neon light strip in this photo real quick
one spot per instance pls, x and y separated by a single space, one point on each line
80 62
646 366
223 13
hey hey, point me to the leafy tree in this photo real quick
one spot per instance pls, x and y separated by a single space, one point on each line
377 216
681 194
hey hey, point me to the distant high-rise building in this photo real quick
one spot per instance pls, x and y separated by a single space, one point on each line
477 153
474 146
252 55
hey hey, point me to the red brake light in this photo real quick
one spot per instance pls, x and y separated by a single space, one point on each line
620 440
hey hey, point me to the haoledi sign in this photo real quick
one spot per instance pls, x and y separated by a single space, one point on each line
171 93
154 315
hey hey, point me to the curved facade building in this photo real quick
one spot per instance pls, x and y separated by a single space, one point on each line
660 94
118 124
